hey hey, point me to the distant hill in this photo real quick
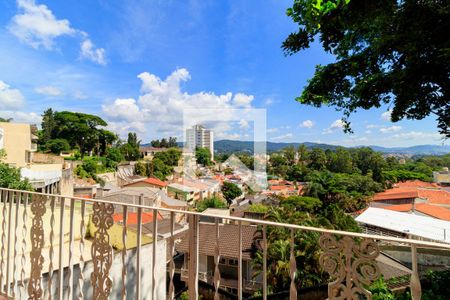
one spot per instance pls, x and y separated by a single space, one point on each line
228 146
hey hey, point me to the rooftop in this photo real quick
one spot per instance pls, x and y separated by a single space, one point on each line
425 227
228 240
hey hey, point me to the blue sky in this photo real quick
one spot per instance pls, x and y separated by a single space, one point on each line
138 64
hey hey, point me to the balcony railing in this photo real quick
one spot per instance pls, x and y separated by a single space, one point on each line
46 252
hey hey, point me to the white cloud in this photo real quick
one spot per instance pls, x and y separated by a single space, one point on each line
368 131
96 55
386 115
415 135
286 136
10 98
123 110
22 117
371 126
338 124
306 124
272 130
389 129
37 26
243 99
49 91
162 103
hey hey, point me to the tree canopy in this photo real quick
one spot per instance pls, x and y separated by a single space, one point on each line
78 129
386 52
203 156
230 191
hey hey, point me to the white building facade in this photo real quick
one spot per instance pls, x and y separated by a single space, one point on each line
200 137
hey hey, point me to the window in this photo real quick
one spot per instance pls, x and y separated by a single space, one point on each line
223 261
233 262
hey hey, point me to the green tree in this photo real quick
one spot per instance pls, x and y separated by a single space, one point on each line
317 159
379 48
57 145
230 191
48 126
131 148
5 120
203 156
169 157
79 129
10 178
340 161
213 202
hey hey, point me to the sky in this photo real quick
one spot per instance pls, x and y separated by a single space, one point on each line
141 64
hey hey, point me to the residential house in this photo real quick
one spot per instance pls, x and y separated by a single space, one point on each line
387 222
148 152
442 177
415 197
19 142
229 256
150 182
182 192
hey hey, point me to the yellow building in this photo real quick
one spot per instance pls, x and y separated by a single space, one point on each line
19 143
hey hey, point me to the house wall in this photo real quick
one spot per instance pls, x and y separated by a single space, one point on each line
116 276
16 140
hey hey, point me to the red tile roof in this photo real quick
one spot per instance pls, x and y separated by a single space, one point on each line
281 188
133 217
416 184
435 211
152 181
435 196
399 207
396 193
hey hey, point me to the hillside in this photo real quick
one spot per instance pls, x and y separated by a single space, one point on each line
228 146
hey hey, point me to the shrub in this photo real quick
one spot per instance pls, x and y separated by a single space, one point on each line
57 145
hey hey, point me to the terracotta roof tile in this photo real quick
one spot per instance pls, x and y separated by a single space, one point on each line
437 212
416 184
397 193
132 218
434 211
399 207
435 196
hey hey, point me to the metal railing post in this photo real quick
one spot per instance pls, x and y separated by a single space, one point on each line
193 258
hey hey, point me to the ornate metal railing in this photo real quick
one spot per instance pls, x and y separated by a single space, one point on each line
58 247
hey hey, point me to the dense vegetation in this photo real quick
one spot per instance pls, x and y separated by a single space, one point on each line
165 143
213 202
298 210
203 156
386 52
161 165
66 130
10 176
230 191
348 177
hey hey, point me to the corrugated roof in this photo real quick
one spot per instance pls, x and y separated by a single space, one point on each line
420 226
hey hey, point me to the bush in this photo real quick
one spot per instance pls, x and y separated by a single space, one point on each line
213 202
258 208
57 145
114 154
